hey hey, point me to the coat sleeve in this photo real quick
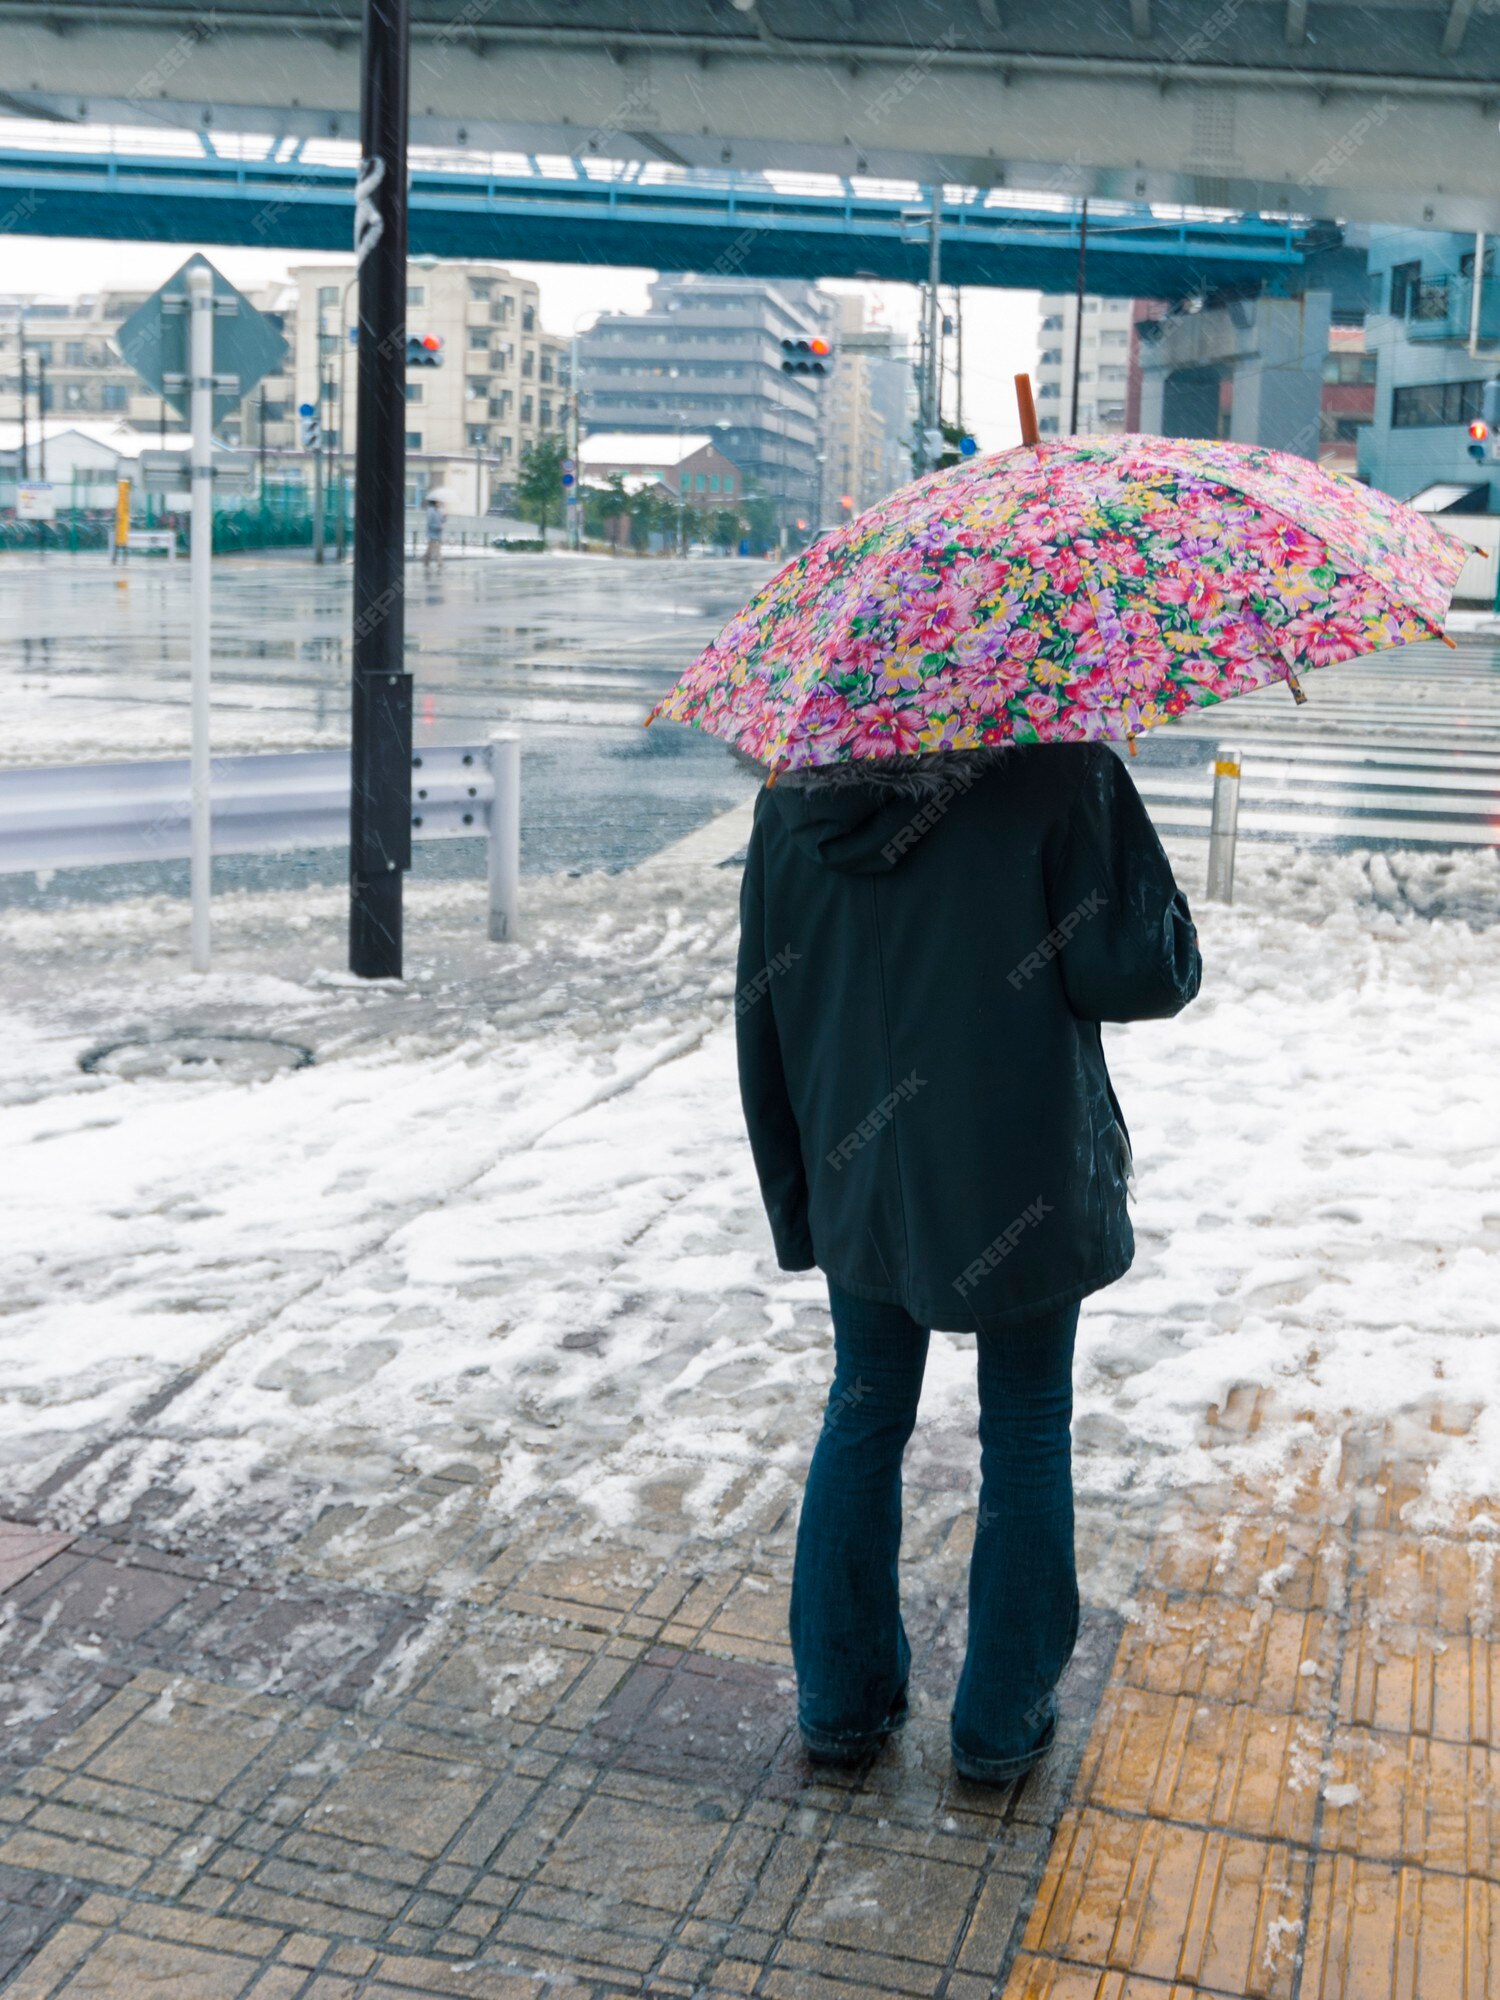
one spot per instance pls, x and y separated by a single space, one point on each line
1122 932
774 1138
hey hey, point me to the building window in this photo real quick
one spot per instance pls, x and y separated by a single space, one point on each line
546 415
506 445
116 396
478 388
328 295
528 362
477 435
526 409
481 289
1405 280
528 319
700 482
416 295
1349 368
479 336
414 392
413 440
75 354
1430 403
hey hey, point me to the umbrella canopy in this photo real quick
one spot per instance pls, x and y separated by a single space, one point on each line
1059 592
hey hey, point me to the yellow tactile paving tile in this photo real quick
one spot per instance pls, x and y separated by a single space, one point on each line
1268 1656
1411 1680
1230 1766
1301 1564
1376 1932
1046 1979
1175 1903
1413 1799
1443 1584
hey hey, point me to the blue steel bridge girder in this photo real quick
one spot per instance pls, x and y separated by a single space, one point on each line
736 226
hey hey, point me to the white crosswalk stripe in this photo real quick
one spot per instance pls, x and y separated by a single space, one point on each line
1402 749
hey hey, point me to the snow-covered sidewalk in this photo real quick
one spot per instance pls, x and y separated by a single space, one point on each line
507 1214
406 1445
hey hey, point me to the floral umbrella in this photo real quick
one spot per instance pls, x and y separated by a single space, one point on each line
1090 588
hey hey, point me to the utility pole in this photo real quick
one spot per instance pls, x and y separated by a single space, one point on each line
1083 249
21 347
931 409
317 439
262 446
958 357
380 762
41 414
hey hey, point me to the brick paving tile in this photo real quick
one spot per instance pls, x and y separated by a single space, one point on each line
24 1549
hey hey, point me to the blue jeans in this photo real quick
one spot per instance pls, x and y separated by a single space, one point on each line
848 1641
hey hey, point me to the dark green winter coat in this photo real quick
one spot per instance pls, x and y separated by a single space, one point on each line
921 982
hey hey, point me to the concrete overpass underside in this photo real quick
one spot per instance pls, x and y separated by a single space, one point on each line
1366 109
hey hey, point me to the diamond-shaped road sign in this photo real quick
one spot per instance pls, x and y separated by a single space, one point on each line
154 340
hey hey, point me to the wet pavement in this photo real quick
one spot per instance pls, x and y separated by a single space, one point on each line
570 651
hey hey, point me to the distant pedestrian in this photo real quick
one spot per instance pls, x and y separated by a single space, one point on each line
928 947
435 520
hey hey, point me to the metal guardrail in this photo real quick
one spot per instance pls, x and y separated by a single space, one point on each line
102 815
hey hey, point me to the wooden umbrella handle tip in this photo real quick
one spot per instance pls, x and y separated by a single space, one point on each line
1027 410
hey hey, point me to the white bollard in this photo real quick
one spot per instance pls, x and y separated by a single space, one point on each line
505 835
1223 825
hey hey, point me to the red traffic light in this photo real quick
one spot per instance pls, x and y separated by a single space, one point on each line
846 499
819 346
1479 430
432 342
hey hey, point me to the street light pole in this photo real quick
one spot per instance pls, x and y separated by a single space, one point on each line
380 751
933 415
343 526
1083 249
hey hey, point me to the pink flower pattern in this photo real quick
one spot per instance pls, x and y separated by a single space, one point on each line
1090 588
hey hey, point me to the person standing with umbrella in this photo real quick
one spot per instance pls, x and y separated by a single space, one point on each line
950 886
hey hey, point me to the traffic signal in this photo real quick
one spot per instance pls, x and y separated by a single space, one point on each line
424 350
806 357
1484 432
308 426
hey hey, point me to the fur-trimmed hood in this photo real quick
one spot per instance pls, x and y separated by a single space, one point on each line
863 819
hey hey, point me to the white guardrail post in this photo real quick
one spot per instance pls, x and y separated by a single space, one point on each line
505 835
1223 825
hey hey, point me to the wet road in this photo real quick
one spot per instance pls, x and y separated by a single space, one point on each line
572 651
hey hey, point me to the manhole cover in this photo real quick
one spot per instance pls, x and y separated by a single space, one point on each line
194 1053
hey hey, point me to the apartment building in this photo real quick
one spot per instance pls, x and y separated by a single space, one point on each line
858 464
1104 364
706 358
502 381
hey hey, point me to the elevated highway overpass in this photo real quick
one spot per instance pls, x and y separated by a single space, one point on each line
661 217
1366 109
